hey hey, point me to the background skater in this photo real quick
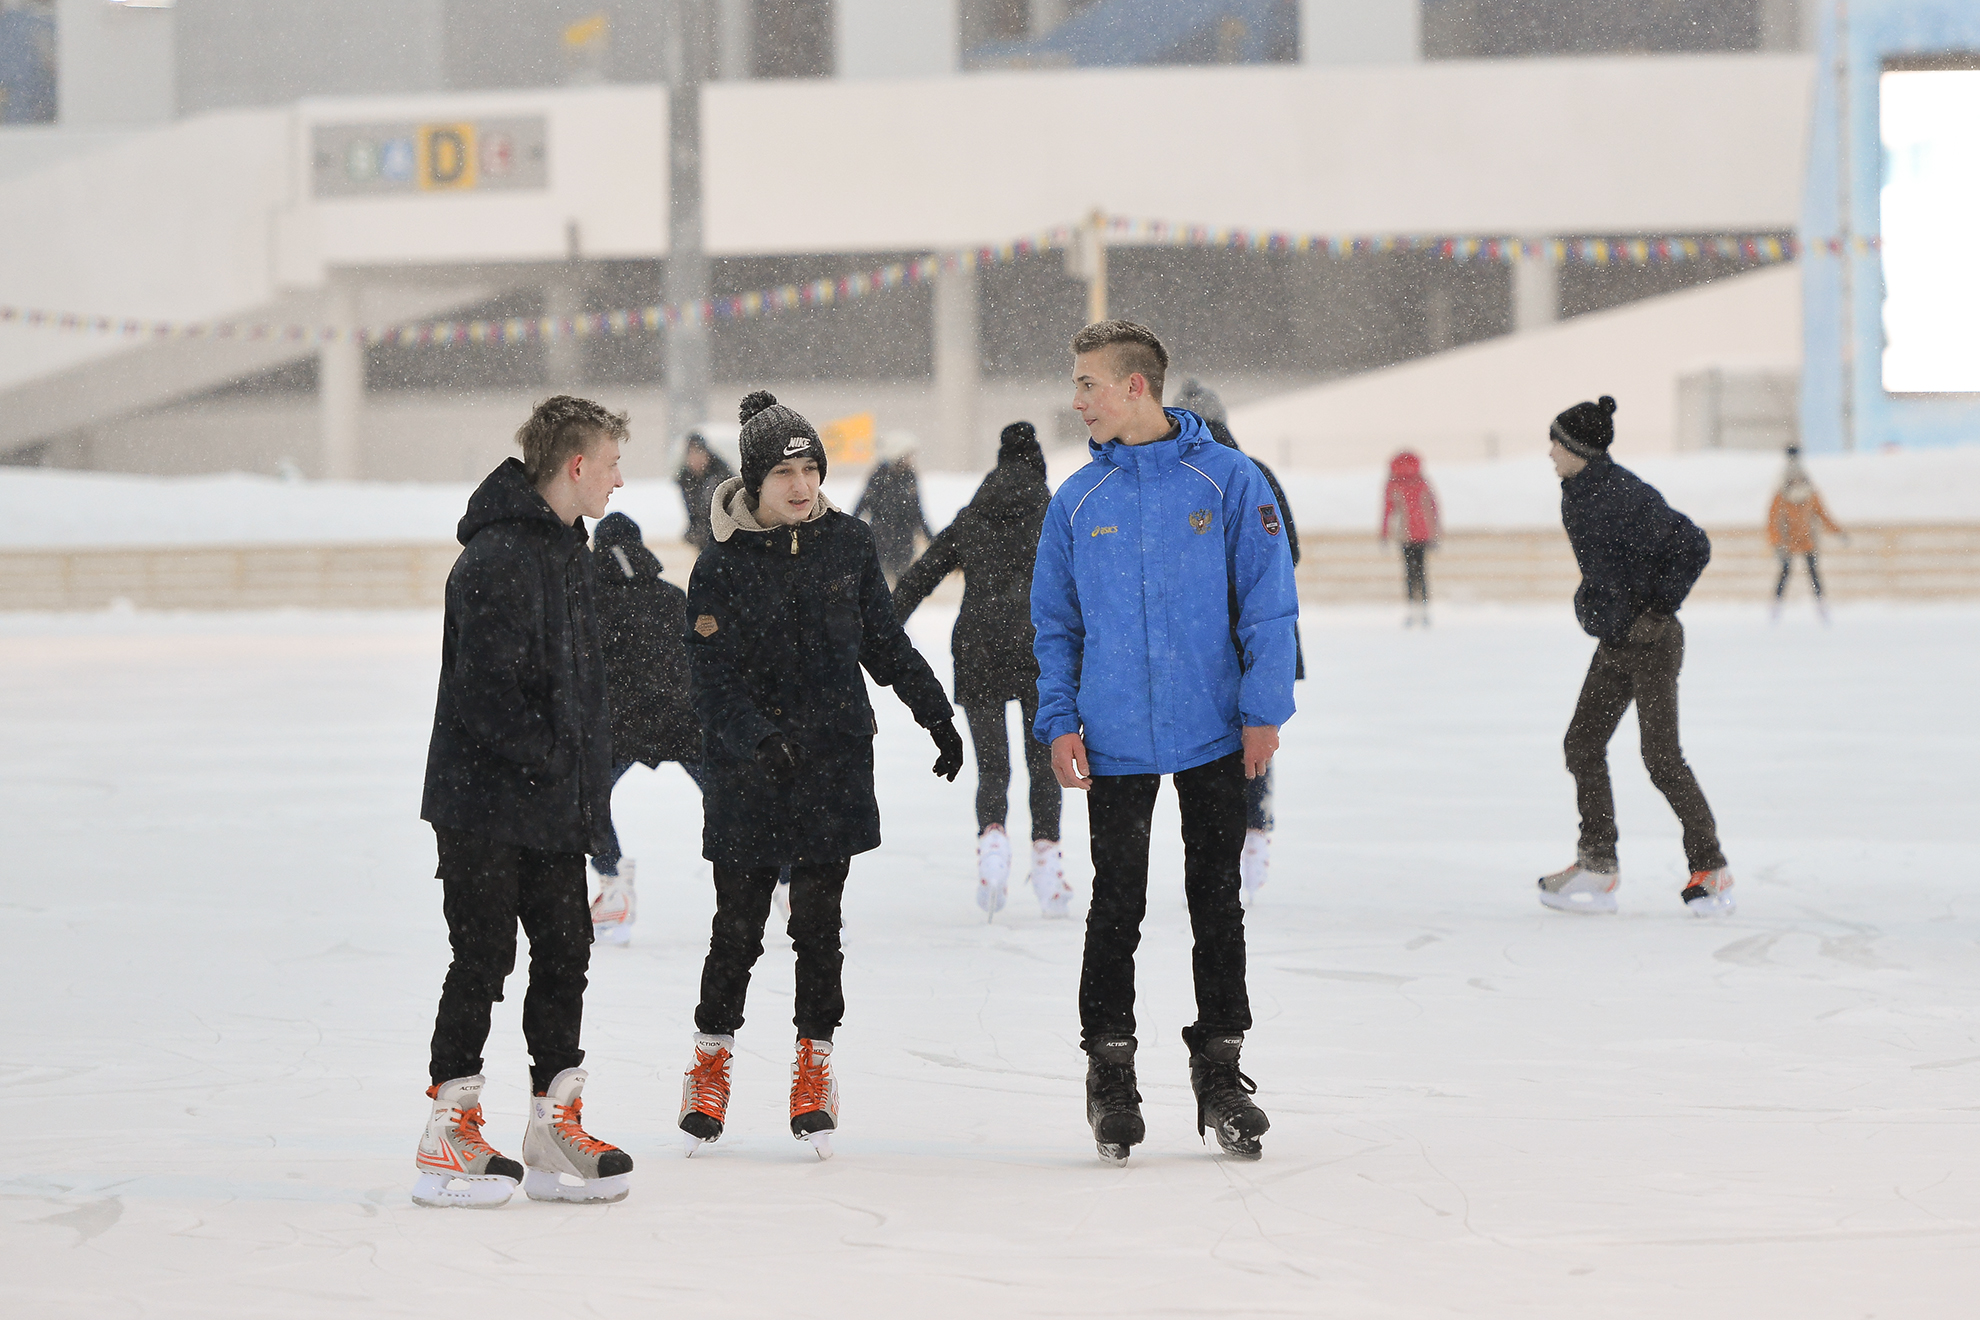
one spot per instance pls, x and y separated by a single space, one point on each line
1791 529
786 606
1639 559
994 540
1409 513
1164 602
891 504
518 790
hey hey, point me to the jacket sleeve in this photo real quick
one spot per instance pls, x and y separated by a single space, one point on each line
499 692
943 557
1436 519
886 653
1388 509
1682 555
1264 601
721 698
1777 521
1059 642
1822 512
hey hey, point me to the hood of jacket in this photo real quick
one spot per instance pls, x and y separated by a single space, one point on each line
506 495
1011 492
731 512
1191 435
615 529
1406 466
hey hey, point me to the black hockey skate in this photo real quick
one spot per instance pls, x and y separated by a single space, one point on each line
1223 1094
1113 1105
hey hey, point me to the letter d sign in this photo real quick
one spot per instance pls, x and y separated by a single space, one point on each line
446 156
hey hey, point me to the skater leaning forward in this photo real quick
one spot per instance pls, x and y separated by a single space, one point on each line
1639 559
1164 602
785 607
518 790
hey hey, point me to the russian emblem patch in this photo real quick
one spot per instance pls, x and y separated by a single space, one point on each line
1268 514
1201 519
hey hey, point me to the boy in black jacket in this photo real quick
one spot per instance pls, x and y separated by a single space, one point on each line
1638 559
518 790
785 607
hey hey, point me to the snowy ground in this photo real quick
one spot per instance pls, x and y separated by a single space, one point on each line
223 947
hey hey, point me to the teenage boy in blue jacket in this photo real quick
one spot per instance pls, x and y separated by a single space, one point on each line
1164 603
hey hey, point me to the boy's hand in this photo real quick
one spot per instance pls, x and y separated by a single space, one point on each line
949 743
1069 761
1261 741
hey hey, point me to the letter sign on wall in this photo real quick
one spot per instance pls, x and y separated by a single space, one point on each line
371 160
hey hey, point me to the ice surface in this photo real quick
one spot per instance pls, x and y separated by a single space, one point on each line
223 946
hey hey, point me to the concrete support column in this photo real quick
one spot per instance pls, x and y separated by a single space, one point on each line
1360 31
1536 290
563 355
1785 26
958 370
340 384
735 39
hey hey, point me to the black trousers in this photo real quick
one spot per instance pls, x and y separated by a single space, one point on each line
1644 671
992 740
487 888
742 904
1120 808
1416 585
1787 571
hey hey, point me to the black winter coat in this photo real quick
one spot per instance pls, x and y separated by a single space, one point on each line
641 618
891 502
697 493
776 640
1637 554
522 736
993 541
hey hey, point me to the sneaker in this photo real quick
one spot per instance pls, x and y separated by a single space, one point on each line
705 1090
457 1166
612 911
1113 1103
1223 1094
1255 862
1586 886
1048 878
1708 894
566 1163
814 1096
993 868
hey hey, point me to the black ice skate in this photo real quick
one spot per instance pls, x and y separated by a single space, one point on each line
1223 1094
1113 1105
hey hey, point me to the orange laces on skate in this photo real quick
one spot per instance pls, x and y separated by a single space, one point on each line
812 1086
566 1119
468 1126
708 1083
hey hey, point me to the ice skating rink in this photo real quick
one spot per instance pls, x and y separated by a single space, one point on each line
223 944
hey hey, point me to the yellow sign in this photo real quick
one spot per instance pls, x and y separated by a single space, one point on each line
446 156
849 440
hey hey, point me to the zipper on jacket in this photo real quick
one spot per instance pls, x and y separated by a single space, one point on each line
793 540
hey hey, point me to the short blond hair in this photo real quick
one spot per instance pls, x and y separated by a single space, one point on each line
563 426
1136 350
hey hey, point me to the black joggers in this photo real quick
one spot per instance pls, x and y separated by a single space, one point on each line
1644 670
1119 809
487 886
742 904
992 740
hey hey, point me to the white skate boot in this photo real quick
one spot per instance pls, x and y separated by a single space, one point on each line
1587 886
1255 863
613 910
1709 893
993 869
457 1166
814 1096
1048 878
566 1163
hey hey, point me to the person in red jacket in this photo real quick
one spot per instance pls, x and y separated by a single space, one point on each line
1409 511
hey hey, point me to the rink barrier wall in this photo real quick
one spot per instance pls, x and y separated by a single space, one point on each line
1926 562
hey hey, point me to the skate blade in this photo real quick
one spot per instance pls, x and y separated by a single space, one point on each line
691 1143
544 1185
821 1143
1712 905
1111 1152
1584 903
449 1191
617 933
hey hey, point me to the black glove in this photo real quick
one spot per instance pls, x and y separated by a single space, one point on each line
949 743
779 758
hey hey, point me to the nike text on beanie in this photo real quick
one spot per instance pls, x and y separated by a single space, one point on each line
1587 428
772 433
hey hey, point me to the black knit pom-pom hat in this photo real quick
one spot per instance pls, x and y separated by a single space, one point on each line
772 433
1588 429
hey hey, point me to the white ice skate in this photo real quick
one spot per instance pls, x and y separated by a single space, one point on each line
993 869
457 1166
1709 893
1583 887
1048 878
566 1163
814 1096
705 1091
1255 863
780 897
613 910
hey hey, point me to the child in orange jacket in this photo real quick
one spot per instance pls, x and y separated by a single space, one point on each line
1791 529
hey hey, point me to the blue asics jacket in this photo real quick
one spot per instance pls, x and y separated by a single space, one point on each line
1164 602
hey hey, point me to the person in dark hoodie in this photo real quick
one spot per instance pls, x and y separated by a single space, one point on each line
891 504
518 790
700 472
993 541
786 606
1639 559
641 618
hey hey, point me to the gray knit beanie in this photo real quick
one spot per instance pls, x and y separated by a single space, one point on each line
772 433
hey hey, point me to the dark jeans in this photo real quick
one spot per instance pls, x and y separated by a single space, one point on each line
1416 586
742 902
1645 671
489 886
993 768
1258 802
1120 808
607 863
1787 570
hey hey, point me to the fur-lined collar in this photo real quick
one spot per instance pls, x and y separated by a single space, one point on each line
730 513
